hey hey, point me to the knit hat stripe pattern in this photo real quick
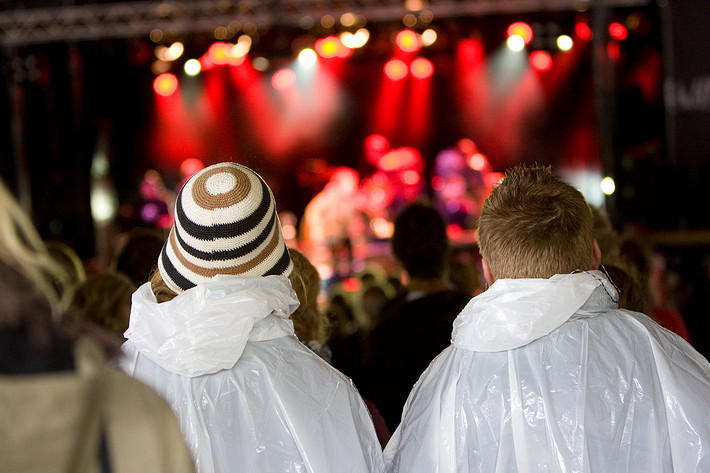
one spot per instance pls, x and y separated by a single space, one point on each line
249 229
225 223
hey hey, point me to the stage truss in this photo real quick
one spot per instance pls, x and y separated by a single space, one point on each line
27 26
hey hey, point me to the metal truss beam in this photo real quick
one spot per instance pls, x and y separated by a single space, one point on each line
21 27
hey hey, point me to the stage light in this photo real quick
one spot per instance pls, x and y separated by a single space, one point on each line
165 84
191 166
395 69
327 21
219 53
260 63
618 31
421 68
515 43
307 57
477 161
583 31
356 40
608 186
174 51
192 67
428 37
613 50
521 29
411 177
541 60
328 47
283 79
408 41
381 227
103 203
564 42
347 19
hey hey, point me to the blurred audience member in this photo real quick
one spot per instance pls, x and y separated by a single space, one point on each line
311 327
415 328
63 407
137 254
101 306
212 333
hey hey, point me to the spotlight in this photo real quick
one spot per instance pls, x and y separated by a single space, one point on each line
515 43
408 41
328 47
307 57
583 31
192 67
421 68
618 31
608 186
521 29
283 79
564 42
541 60
165 84
428 37
395 69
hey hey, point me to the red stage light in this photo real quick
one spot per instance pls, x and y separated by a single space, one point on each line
396 69
219 53
408 41
421 68
411 177
613 51
541 60
521 29
329 47
399 159
191 166
165 84
377 142
437 183
283 79
477 161
583 31
618 31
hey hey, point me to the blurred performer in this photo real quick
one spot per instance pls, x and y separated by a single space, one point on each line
330 220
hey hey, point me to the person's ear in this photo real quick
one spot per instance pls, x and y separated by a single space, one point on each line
596 255
487 275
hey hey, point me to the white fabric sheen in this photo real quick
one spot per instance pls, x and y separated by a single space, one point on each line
205 329
609 390
515 312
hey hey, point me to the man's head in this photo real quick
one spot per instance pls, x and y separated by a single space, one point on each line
419 241
534 225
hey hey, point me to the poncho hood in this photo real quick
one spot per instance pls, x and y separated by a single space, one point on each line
205 329
515 312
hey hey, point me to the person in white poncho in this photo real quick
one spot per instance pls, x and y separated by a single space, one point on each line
545 373
211 333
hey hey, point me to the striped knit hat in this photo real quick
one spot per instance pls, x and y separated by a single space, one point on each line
225 223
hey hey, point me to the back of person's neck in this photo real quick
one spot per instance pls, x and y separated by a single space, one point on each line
420 287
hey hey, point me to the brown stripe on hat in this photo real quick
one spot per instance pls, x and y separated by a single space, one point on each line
221 231
208 200
243 268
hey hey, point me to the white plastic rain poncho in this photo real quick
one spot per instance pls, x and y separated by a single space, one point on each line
248 396
548 375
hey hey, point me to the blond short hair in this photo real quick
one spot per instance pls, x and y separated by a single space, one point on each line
535 225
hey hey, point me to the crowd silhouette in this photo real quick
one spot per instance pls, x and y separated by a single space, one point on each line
212 346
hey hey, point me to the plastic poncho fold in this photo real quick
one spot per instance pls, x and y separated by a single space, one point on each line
249 397
550 376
